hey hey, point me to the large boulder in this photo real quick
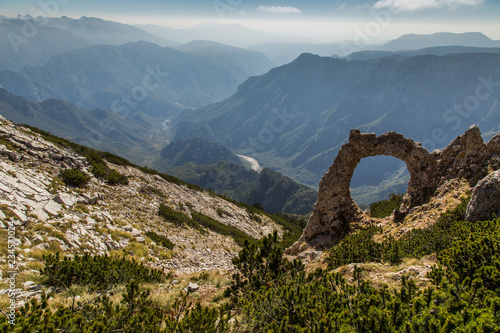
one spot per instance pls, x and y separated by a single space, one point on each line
485 200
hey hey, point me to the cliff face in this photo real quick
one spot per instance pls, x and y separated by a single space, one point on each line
102 219
467 157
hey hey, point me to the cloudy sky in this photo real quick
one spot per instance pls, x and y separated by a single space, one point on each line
322 20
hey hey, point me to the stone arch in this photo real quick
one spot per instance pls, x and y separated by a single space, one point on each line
335 208
466 157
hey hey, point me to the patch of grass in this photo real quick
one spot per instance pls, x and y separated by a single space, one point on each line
4 249
166 254
138 249
39 254
204 276
117 235
7 143
149 190
52 232
82 208
9 213
55 185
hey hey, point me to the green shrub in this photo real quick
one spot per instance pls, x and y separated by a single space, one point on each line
97 272
356 248
136 312
360 247
465 297
159 239
385 208
178 218
74 177
239 236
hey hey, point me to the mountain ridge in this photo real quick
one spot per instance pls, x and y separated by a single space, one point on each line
161 78
298 113
55 35
420 41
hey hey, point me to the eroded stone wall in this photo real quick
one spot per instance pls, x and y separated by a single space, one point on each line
466 157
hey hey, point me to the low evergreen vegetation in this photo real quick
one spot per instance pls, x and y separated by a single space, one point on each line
159 239
74 177
97 272
384 208
291 224
239 236
176 217
199 221
135 313
465 296
272 294
360 246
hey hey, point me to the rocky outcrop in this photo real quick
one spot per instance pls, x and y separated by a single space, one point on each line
466 157
485 199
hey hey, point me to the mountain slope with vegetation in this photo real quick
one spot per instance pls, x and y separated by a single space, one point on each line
295 118
64 197
270 292
269 189
136 139
105 245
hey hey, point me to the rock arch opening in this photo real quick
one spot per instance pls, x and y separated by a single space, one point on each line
376 177
335 208
466 157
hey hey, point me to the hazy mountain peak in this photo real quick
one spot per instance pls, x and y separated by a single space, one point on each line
419 41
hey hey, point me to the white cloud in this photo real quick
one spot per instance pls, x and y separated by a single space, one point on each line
278 10
414 5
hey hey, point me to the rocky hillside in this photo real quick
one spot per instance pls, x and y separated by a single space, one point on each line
104 219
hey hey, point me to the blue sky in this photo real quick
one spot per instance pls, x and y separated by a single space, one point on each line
329 20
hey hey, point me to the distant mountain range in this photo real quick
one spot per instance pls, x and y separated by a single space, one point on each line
136 138
283 53
294 118
26 41
231 34
163 80
168 98
437 50
416 41
438 44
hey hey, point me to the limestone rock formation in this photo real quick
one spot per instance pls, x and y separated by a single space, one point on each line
485 200
466 157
